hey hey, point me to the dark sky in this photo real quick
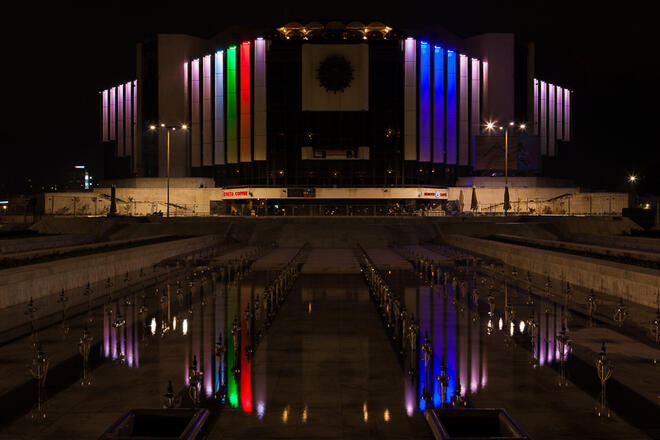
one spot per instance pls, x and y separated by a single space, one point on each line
58 55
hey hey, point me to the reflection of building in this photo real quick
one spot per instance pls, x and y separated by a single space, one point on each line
324 105
193 322
448 316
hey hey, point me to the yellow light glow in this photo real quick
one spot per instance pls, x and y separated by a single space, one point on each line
523 126
285 414
174 323
304 414
153 326
152 127
511 124
184 328
184 127
365 413
162 125
386 415
632 178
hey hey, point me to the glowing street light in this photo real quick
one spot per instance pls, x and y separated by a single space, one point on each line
632 178
169 129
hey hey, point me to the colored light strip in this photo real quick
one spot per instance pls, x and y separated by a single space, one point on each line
113 114
543 119
560 112
410 100
195 129
536 107
551 120
120 121
424 102
135 153
438 105
219 113
451 107
207 116
246 105
475 109
104 119
464 117
128 94
260 140
567 115
232 129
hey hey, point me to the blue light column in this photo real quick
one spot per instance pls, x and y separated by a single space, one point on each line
424 102
438 105
451 107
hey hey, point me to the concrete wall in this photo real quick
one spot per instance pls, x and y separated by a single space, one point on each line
133 201
637 243
546 201
36 243
582 247
17 285
632 283
196 201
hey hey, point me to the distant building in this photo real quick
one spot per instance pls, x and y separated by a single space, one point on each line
332 105
78 179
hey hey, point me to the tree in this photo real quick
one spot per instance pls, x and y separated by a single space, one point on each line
507 203
474 205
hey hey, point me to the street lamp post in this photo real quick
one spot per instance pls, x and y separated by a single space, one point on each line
490 126
169 128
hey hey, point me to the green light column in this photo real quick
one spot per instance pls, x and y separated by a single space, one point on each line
232 120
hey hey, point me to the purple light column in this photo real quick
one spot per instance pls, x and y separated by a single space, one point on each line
451 107
195 130
438 105
410 101
424 102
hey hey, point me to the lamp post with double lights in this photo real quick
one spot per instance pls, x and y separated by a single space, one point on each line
169 129
491 126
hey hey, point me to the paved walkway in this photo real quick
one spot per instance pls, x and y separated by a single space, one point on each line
387 259
275 259
325 370
327 261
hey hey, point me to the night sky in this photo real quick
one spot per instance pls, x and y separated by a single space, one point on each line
57 56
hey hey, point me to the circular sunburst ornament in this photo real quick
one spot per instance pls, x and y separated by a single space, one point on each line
335 73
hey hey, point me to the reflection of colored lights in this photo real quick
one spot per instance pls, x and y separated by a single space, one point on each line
500 324
233 398
261 409
511 328
522 326
365 413
309 308
305 414
174 323
386 415
184 327
285 414
153 326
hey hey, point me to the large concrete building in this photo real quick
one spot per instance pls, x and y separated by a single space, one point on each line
332 105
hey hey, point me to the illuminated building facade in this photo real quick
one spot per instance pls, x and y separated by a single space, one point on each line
330 105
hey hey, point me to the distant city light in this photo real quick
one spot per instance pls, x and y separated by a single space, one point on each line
632 178
79 167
